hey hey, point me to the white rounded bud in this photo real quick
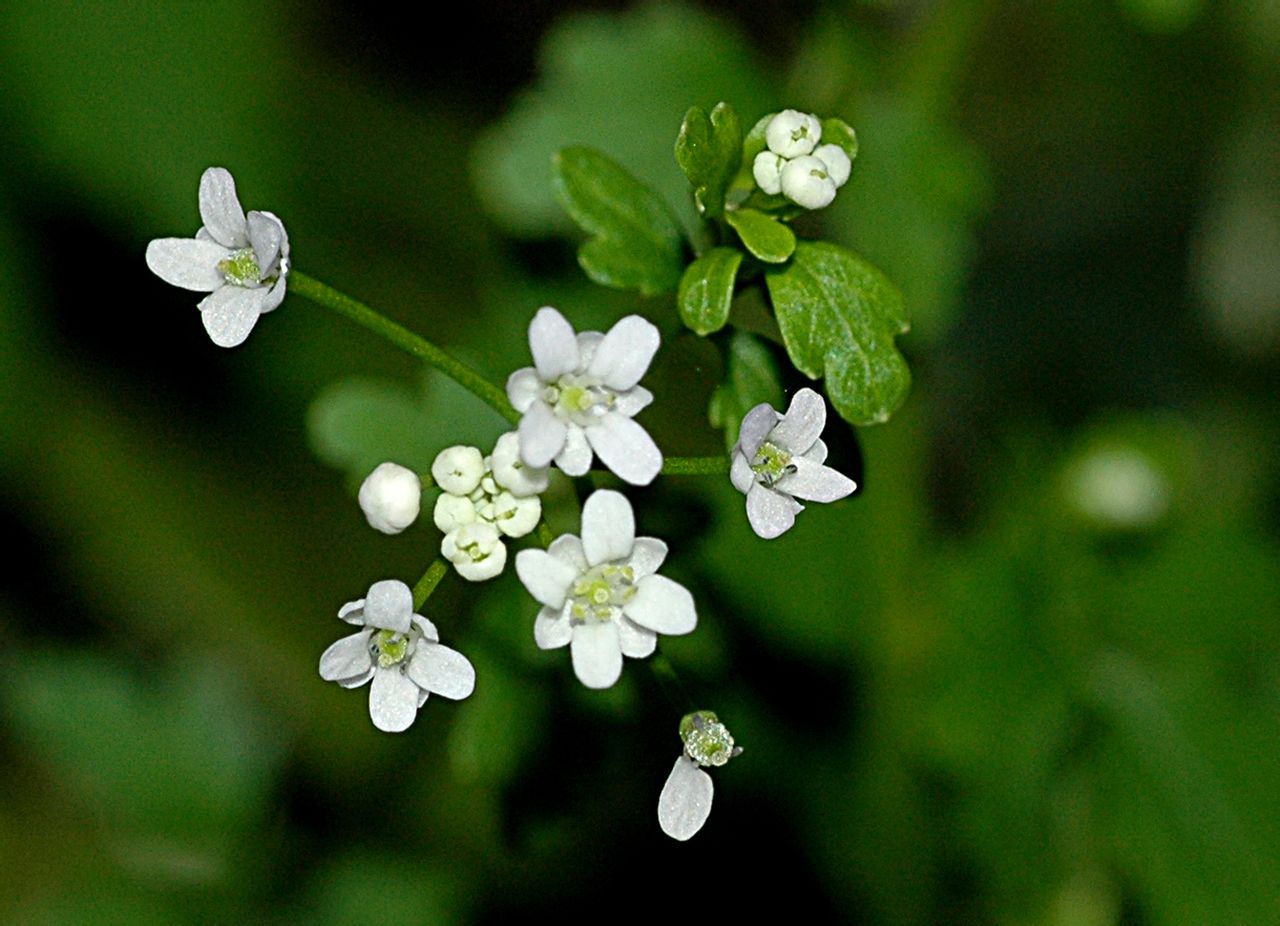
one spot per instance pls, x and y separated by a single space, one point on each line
512 473
838 163
792 133
453 511
457 470
476 551
391 497
516 517
805 182
767 169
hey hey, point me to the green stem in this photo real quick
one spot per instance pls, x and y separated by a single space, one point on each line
430 579
695 466
406 340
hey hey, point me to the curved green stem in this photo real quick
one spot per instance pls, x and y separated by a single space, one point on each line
430 579
406 340
695 466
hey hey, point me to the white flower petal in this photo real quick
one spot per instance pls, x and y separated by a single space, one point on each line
347 658
814 482
756 425
625 353
542 435
426 628
220 208
662 605
626 448
685 802
588 341
552 342
803 422
568 549
597 654
740 473
389 605
266 234
608 527
188 263
551 629
635 641
353 612
771 513
393 700
230 312
510 472
817 453
523 388
575 458
548 578
356 681
647 555
442 671
274 296
633 401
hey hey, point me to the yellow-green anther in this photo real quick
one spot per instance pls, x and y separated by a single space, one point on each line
706 739
391 647
241 268
770 463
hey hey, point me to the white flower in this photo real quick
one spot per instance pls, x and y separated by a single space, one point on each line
685 802
581 394
601 595
242 261
795 165
400 651
779 458
391 497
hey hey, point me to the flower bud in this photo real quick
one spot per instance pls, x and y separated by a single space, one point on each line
458 470
390 498
512 473
792 133
476 551
516 517
838 163
805 182
453 511
767 169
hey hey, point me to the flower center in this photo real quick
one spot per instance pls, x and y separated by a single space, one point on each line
241 268
771 463
388 647
706 739
600 593
578 399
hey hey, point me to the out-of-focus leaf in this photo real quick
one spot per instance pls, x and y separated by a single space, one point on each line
763 235
838 132
752 378
358 887
706 290
708 150
636 242
839 316
495 728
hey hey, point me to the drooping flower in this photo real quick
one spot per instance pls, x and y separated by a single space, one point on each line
779 458
400 652
391 497
601 595
685 801
795 165
241 261
581 394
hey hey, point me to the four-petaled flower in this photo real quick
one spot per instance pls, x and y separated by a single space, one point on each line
400 652
241 261
685 801
601 595
581 394
779 458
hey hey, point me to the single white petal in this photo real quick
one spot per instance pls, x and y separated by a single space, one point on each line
626 448
283 268
625 353
597 654
814 482
220 208
635 641
393 700
266 234
662 605
523 388
547 577
740 473
647 555
817 453
188 263
442 671
389 605
510 472
347 657
685 802
771 513
542 435
551 629
608 527
756 425
803 422
353 612
552 342
633 401
230 312
422 697
426 628
274 296
356 681
588 341
575 458
568 549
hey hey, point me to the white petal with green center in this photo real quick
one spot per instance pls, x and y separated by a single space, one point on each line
769 512
647 556
575 458
393 700
551 629
608 527
542 435
389 606
553 344
625 353
803 422
814 482
547 577
229 314
220 208
597 654
685 802
662 605
626 448
442 671
346 658
187 262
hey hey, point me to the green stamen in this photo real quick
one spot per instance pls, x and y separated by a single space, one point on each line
390 647
241 268
771 463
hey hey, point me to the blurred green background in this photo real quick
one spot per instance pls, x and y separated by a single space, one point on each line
1027 675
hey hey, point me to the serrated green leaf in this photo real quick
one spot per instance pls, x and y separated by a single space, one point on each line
839 315
751 378
708 150
763 235
706 290
637 243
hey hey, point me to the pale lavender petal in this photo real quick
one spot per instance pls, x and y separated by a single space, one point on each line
220 208
625 353
597 654
803 422
187 262
523 388
633 401
442 671
551 629
554 347
588 341
389 605
814 482
770 512
740 473
352 612
427 629
647 555
548 578
662 606
282 261
347 658
393 700
635 641
266 234
817 453
756 425
229 313
274 296
685 802
357 680
568 548
608 527
626 448
575 458
542 435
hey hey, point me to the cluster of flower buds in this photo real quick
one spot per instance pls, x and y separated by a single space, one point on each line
795 165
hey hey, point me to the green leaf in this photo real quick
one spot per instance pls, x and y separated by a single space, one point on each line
751 378
839 316
708 150
637 243
838 132
706 290
752 144
763 235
